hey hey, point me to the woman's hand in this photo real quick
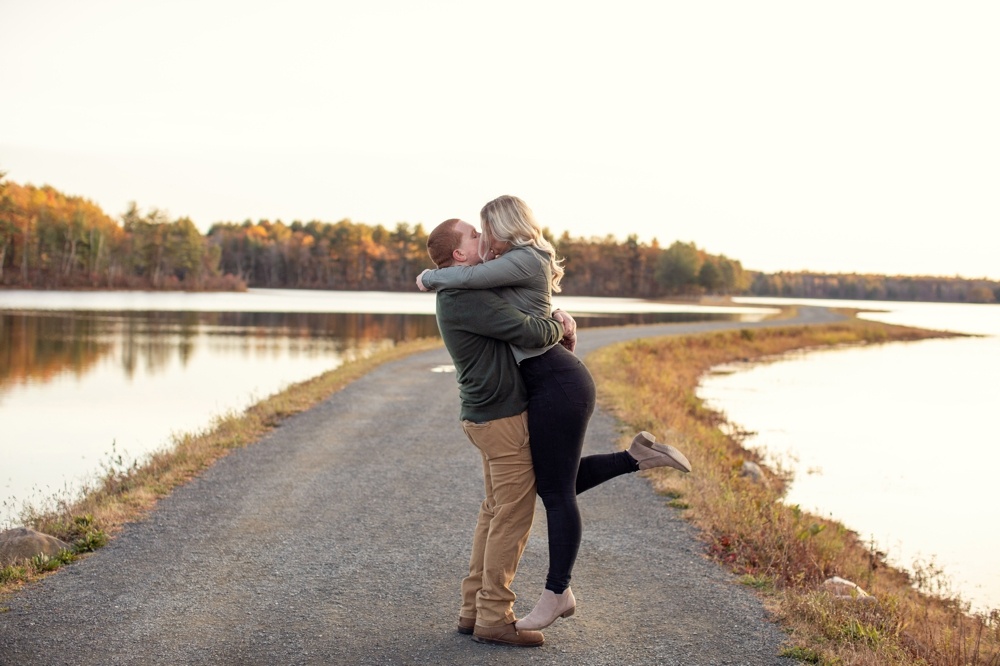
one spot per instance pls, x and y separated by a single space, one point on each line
420 280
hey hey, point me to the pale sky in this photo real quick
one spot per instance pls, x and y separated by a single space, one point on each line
840 136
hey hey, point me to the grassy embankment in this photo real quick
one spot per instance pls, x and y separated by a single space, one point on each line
783 552
650 385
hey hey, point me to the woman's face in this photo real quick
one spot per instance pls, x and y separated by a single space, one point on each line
498 247
495 246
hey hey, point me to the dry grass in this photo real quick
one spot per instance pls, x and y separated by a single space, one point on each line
125 493
650 384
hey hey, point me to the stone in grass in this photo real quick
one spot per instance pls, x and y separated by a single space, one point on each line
841 588
22 543
752 471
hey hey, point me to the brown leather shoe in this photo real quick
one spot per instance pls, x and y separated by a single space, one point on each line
466 624
507 634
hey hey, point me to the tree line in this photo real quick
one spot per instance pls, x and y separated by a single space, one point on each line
875 287
51 240
349 255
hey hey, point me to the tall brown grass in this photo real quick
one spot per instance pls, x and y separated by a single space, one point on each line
786 553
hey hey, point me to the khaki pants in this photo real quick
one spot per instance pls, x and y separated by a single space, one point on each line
504 518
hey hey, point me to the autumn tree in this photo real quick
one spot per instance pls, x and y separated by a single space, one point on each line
7 229
679 267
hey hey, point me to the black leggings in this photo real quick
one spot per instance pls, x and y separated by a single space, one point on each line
561 397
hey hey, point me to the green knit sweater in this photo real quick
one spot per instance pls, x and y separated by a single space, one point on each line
477 327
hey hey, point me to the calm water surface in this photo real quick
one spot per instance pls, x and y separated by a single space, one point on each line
88 377
896 441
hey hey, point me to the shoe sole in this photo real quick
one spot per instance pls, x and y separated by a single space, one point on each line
493 641
679 459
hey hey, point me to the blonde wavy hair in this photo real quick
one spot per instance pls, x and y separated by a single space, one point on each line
509 219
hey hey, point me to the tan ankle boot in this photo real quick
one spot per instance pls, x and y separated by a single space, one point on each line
649 453
549 608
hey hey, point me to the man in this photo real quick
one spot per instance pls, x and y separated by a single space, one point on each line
477 327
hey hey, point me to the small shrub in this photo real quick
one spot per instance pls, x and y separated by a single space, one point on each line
803 654
90 542
757 581
13 574
45 563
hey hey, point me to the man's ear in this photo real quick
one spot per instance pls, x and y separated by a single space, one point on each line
458 255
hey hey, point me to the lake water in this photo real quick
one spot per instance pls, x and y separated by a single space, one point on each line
86 377
898 441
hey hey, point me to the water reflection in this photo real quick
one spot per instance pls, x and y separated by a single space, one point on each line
40 346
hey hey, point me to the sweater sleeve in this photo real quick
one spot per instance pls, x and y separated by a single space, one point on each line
515 268
491 316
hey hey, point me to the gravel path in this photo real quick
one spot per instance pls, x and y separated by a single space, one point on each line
341 538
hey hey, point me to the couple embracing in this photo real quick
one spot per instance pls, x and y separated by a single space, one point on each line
526 402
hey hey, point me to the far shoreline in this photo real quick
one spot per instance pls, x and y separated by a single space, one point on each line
720 300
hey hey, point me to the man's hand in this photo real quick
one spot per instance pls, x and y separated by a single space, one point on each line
420 280
569 329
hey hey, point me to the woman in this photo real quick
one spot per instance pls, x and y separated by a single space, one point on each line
561 394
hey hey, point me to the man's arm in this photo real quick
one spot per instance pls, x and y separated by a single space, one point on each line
484 313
